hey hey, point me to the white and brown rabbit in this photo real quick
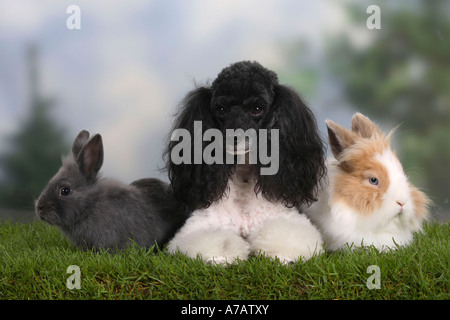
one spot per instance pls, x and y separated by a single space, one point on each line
369 200
94 212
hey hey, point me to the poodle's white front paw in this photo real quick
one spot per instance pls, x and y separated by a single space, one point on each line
290 239
287 260
219 247
222 261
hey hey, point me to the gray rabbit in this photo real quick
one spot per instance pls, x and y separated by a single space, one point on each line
94 212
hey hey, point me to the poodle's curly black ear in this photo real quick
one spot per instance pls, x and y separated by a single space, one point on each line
301 152
196 106
196 185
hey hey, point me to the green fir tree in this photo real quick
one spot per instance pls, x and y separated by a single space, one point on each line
34 153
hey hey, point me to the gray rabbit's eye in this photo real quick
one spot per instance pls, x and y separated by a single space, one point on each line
65 191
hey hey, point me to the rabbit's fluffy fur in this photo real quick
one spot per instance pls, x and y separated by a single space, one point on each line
95 212
369 200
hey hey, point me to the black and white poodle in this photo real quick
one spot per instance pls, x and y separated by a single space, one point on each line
236 210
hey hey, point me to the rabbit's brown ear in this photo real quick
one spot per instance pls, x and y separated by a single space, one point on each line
339 138
90 159
364 127
79 142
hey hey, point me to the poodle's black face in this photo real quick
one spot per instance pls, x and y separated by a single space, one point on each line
246 96
243 96
248 109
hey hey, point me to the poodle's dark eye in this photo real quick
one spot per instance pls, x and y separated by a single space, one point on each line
221 111
257 110
373 181
65 191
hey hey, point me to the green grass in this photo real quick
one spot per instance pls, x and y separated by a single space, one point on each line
34 259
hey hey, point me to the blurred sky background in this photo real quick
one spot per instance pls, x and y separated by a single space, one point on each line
125 71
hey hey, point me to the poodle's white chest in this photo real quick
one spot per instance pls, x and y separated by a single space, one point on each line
242 210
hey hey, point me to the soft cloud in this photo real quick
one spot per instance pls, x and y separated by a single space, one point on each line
22 18
133 102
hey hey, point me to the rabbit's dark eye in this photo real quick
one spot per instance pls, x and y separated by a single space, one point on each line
373 181
65 191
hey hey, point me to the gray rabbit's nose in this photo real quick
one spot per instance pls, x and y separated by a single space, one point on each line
39 207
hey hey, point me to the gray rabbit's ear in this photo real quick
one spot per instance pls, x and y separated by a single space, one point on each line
90 159
79 142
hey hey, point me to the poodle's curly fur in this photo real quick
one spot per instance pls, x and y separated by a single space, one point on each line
246 95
